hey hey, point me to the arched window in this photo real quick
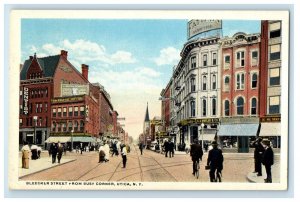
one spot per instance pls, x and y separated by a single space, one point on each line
193 86
254 80
193 110
70 126
253 106
214 106
240 106
214 82
76 126
226 83
226 108
204 82
204 107
81 125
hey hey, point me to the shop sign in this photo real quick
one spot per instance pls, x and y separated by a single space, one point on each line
155 122
25 100
199 121
69 99
199 26
270 119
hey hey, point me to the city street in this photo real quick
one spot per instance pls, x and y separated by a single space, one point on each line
149 167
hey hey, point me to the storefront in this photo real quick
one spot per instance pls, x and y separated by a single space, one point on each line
270 128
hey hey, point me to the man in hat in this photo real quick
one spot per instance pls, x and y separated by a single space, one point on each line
215 161
60 150
268 160
258 154
53 149
196 153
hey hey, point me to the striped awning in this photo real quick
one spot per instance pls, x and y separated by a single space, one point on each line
270 129
83 139
238 130
61 139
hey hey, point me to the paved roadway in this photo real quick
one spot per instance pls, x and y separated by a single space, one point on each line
150 166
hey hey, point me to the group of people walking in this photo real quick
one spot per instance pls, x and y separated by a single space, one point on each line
263 154
169 148
56 151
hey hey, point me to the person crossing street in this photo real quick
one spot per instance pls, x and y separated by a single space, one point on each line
215 162
196 153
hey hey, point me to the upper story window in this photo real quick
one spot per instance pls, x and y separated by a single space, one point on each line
204 107
240 106
193 62
70 111
54 112
226 108
275 30
59 112
214 106
75 111
193 109
274 105
254 80
240 59
253 106
214 58
227 62
204 83
214 82
193 86
204 60
254 58
275 52
274 76
65 111
226 83
240 81
81 111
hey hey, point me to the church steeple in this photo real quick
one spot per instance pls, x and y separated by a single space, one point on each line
147 114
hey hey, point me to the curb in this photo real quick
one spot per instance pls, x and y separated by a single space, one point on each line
47 168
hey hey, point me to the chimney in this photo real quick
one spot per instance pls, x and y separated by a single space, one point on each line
64 53
85 71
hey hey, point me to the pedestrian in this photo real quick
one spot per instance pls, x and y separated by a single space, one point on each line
114 148
215 162
118 147
53 149
60 150
106 149
166 146
81 148
25 155
171 148
258 154
102 154
196 153
141 147
124 154
206 147
39 151
34 152
268 160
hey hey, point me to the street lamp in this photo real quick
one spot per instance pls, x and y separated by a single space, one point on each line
34 135
202 131
72 140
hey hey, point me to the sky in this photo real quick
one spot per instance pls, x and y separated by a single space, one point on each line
132 59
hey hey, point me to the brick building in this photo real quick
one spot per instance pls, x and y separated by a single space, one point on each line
270 88
240 89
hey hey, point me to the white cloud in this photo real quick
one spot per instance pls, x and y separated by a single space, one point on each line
168 56
122 57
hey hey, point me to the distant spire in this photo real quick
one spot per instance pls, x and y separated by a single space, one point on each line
34 55
147 114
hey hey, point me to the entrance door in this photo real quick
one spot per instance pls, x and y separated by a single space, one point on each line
243 144
194 133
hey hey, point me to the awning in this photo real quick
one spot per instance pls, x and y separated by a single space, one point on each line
58 138
238 130
270 129
83 139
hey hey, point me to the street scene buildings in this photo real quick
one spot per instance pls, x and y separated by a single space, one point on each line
223 95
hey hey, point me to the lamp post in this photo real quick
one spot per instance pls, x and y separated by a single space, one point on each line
34 134
202 133
72 140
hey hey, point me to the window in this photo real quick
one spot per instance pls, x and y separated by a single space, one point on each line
70 126
193 110
275 52
81 111
275 30
41 107
70 111
54 112
59 127
54 126
254 58
59 112
81 125
76 111
240 106
193 62
40 121
253 106
46 92
205 60
64 127
254 81
214 82
76 126
240 81
36 108
193 86
226 84
274 105
65 111
226 108
214 106
214 59
20 122
240 56
46 107
227 62
204 82
204 107
274 77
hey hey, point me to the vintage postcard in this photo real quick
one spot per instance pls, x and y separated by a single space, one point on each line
148 100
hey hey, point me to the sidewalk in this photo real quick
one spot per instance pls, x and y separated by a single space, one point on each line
39 165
